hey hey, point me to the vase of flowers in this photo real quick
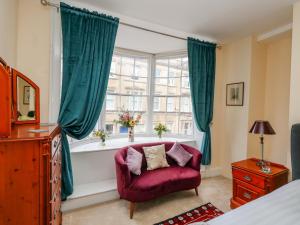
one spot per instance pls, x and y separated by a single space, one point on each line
160 129
129 120
102 135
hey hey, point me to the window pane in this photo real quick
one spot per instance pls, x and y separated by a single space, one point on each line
161 86
161 70
159 118
185 64
111 102
110 125
115 65
141 68
175 63
141 126
172 122
159 104
126 85
127 67
174 107
185 104
128 89
174 87
172 104
186 124
135 103
113 84
141 86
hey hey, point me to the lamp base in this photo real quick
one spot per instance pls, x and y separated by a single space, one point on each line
264 166
261 163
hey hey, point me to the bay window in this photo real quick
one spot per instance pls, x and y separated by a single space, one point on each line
157 88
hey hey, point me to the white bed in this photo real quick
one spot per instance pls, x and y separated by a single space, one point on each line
281 207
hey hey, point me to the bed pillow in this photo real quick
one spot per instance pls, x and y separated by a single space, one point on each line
179 154
155 157
134 161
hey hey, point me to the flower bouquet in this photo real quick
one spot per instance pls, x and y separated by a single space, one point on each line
127 119
100 134
160 129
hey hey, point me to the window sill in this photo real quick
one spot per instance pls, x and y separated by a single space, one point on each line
92 145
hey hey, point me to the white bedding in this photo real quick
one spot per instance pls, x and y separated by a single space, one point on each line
281 207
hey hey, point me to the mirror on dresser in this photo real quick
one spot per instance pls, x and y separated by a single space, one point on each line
25 99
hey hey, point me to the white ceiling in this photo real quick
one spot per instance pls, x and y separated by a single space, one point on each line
222 20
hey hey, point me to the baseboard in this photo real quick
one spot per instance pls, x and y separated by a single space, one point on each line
76 203
85 198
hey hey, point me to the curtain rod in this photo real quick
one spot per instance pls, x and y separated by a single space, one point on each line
47 3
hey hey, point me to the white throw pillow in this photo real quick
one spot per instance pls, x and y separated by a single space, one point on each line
155 157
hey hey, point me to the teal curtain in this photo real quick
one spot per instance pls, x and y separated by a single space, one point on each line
88 43
202 60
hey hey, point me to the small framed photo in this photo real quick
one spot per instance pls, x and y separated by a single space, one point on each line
235 94
26 95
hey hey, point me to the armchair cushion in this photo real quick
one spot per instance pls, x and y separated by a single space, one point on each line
134 161
178 153
155 157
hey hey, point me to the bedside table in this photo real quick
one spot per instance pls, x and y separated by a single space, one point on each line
250 183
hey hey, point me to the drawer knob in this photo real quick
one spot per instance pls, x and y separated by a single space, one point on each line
247 195
247 178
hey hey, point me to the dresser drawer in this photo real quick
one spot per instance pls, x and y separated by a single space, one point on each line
244 192
248 177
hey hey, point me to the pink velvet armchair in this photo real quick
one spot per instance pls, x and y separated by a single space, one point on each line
159 182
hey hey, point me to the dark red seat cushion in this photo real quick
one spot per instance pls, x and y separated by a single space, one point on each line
164 177
159 182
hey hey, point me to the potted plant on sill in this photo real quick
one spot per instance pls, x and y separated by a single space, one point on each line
127 119
102 135
160 129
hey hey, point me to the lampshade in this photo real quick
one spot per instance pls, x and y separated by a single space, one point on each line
262 127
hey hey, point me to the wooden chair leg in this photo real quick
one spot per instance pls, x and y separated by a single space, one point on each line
196 190
131 208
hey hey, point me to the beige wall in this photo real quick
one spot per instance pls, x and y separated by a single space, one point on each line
8 27
218 118
230 127
33 52
265 69
277 95
257 93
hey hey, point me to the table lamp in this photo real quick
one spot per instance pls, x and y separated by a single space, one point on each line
262 127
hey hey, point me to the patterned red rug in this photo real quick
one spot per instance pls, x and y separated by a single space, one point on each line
200 214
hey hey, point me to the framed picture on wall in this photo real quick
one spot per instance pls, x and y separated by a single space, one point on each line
26 95
235 94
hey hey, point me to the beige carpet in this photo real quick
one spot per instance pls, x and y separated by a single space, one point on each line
217 190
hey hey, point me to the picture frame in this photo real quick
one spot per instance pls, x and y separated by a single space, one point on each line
235 94
26 95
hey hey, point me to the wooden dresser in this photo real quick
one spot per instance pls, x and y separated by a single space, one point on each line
30 176
250 183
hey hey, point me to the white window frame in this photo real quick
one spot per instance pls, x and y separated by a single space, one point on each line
149 57
151 82
173 55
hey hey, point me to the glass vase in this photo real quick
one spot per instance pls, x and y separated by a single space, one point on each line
131 134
